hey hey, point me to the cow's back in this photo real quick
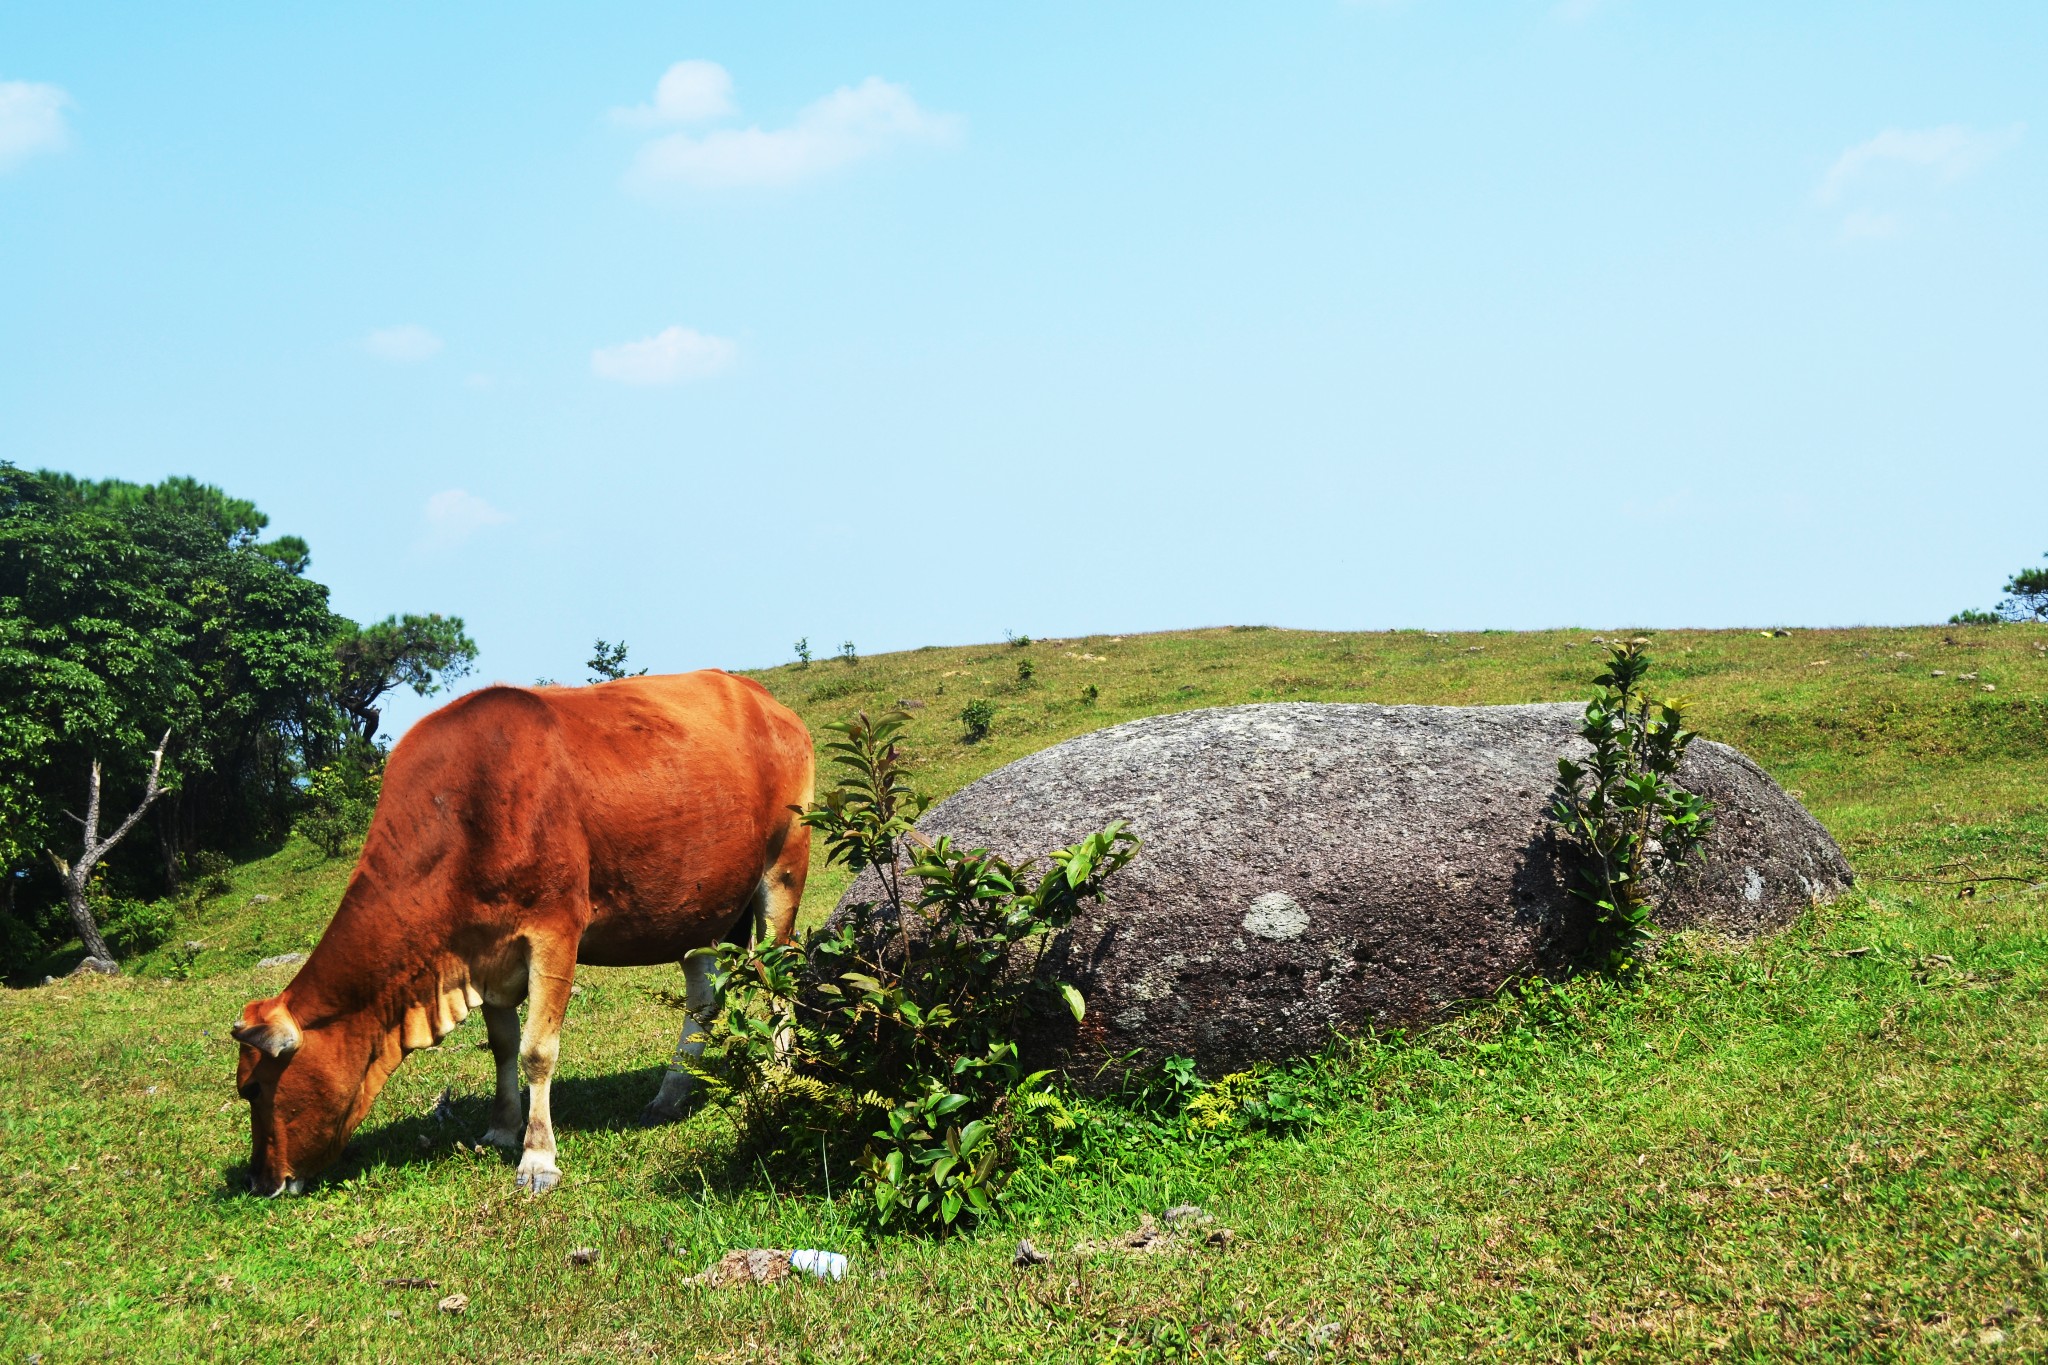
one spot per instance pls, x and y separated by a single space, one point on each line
649 807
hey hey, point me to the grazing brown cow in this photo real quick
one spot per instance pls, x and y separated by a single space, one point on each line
521 832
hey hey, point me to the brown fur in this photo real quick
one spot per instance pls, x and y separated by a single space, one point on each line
521 832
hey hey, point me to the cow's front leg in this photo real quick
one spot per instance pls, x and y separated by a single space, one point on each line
501 1022
550 972
700 1007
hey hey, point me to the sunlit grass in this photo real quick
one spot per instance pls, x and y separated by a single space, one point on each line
1829 1144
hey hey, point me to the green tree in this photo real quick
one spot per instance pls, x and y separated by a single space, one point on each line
129 610
424 653
2029 596
91 656
607 662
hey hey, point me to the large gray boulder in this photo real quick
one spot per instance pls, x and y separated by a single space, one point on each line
1319 867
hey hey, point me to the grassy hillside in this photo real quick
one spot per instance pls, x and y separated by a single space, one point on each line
1832 1143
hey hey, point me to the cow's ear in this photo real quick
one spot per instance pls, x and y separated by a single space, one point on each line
268 1027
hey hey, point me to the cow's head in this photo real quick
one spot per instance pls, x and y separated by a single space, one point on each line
303 1096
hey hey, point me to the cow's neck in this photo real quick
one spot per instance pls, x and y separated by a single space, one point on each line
383 975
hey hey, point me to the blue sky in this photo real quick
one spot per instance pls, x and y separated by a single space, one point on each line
715 326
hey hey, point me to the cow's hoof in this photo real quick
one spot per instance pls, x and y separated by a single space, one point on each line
656 1115
538 1179
504 1137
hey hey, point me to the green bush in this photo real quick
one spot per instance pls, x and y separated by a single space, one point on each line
1623 813
209 872
904 1019
339 801
134 926
978 716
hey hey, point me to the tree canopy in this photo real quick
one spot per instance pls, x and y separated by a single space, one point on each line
2029 596
130 609
421 652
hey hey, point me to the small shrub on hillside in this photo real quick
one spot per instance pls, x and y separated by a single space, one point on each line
607 662
1970 616
803 652
847 654
339 801
1622 812
135 926
978 716
904 1020
1089 694
209 872
1026 671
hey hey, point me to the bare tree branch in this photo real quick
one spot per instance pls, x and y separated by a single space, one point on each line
79 874
149 795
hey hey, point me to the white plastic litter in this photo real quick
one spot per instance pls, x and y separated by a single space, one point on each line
824 1265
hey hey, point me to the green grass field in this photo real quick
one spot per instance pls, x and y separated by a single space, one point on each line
1830 1145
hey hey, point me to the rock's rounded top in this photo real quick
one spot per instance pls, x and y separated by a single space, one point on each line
1316 865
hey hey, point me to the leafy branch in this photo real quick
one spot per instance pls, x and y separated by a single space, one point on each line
1622 811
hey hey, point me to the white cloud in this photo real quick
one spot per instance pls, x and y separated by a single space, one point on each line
453 516
667 357
31 121
688 92
847 125
406 344
1948 153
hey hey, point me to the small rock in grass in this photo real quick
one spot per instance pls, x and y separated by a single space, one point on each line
1191 1214
1027 1254
757 1265
411 1282
261 899
1990 1336
583 1256
283 960
454 1303
1220 1239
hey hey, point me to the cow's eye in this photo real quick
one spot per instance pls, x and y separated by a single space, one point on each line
250 1090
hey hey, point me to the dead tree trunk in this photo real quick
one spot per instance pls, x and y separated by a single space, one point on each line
77 875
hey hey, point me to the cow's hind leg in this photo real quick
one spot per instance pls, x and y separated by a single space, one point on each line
501 1022
770 915
700 1007
550 972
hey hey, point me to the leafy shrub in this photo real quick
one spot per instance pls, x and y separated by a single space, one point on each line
803 652
209 872
1089 694
1017 641
847 654
607 662
1623 813
133 926
832 689
978 715
1026 670
1970 616
905 1018
339 801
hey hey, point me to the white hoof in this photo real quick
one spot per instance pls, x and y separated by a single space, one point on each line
538 1174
